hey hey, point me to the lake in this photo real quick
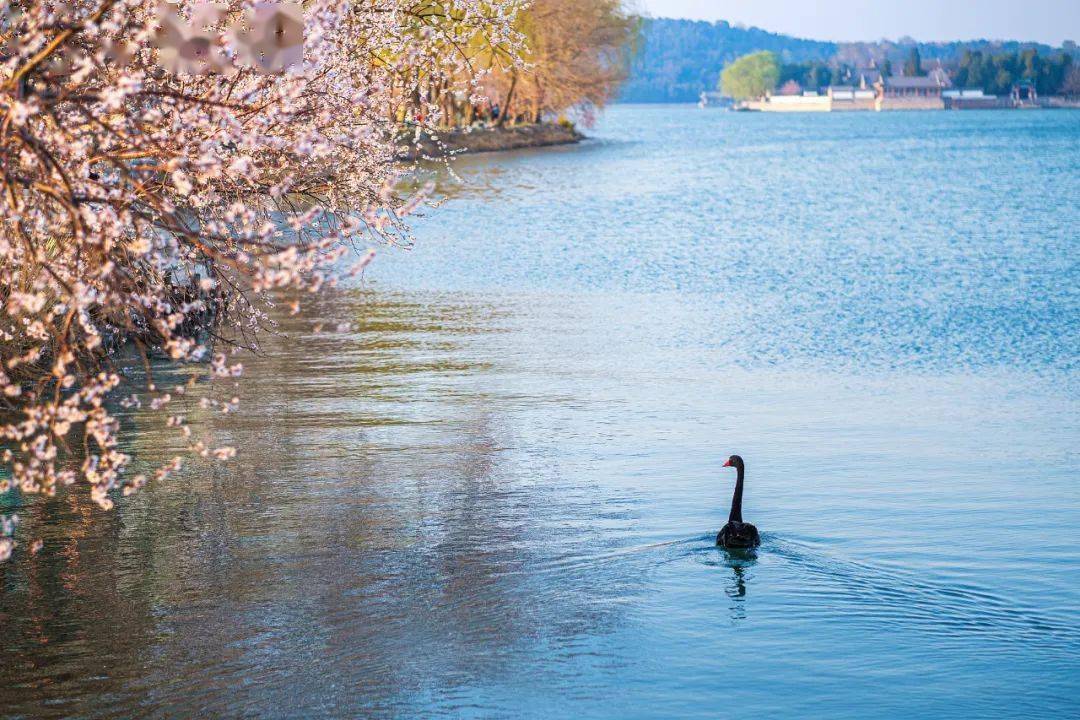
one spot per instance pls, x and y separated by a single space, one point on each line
497 494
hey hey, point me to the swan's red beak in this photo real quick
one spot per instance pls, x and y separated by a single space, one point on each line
727 464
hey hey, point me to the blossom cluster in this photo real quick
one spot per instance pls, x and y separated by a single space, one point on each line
146 201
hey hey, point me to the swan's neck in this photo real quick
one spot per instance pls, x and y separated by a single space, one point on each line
736 499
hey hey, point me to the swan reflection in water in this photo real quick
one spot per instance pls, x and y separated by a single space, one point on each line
738 562
737 589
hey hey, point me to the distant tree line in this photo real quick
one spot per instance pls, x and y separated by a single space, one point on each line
913 66
677 59
997 73
1056 74
818 74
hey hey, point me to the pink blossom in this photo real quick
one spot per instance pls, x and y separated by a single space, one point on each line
153 204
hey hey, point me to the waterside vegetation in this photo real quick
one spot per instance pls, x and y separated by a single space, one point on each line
159 196
572 60
171 172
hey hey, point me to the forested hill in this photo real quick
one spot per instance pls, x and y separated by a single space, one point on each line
677 59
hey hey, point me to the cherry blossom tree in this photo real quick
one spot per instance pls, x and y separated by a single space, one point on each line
165 170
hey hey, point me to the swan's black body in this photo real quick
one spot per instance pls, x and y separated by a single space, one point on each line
737 534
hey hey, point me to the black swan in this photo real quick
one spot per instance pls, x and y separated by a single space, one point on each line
737 534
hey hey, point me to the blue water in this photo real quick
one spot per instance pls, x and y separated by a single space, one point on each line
497 496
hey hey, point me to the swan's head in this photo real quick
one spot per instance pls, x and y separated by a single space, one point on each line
734 461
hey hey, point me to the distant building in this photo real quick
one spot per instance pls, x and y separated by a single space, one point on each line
1024 93
868 78
868 90
850 97
841 92
903 86
807 102
966 93
969 99
849 93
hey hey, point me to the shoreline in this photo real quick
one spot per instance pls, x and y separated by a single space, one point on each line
492 139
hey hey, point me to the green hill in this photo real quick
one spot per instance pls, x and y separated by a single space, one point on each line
677 59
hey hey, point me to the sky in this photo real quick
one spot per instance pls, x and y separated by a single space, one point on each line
1048 21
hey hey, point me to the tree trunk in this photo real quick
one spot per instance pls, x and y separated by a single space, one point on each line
505 112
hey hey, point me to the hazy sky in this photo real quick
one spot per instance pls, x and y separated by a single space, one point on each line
1049 21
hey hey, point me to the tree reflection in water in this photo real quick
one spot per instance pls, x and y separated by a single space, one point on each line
382 535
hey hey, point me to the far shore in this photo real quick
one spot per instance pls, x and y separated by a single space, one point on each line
492 139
